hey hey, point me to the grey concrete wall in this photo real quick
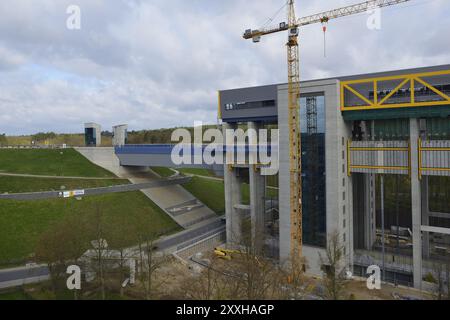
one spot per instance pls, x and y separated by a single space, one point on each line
119 135
416 205
338 184
257 198
232 185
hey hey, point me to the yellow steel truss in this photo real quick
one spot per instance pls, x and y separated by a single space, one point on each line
377 104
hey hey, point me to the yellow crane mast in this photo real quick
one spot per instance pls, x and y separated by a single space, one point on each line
295 151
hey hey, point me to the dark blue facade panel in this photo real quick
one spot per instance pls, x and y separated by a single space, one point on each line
167 149
258 103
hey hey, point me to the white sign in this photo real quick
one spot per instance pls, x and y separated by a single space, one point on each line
74 193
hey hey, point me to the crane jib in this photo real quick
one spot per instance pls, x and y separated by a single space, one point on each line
325 16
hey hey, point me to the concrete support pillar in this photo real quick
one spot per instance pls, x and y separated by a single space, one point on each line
370 231
416 204
257 198
348 182
257 207
232 184
425 216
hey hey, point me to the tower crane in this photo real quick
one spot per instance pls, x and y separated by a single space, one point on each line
292 26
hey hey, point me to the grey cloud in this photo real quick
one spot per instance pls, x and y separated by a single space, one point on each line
160 63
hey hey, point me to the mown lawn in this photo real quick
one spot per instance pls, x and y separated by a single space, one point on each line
22 222
163 172
57 162
210 192
198 172
16 294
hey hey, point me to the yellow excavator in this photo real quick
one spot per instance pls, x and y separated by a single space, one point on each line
225 254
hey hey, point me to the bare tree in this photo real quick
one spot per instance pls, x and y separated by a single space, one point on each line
440 277
150 262
447 275
208 285
100 247
293 276
120 235
333 267
257 276
59 246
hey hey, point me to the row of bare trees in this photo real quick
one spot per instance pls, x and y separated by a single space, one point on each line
106 251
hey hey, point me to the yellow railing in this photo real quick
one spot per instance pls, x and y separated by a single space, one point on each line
420 149
430 149
350 166
410 79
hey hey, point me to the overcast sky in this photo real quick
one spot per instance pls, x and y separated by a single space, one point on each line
159 63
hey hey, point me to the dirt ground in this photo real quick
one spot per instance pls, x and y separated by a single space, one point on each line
173 275
355 289
359 290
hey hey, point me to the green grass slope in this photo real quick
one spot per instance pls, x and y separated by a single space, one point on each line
22 222
56 162
210 192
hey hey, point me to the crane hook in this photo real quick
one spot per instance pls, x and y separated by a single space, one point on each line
324 22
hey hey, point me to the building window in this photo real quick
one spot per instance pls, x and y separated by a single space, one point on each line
313 168
250 105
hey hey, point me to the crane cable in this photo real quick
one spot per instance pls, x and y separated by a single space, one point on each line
270 20
324 28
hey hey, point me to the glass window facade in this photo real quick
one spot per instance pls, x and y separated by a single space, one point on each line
89 137
312 122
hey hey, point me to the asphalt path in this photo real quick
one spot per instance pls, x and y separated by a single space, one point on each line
95 191
18 276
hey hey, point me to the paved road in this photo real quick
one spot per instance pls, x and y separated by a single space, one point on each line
23 272
23 175
96 191
186 237
19 276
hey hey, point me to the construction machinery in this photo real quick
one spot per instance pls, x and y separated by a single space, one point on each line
292 27
226 253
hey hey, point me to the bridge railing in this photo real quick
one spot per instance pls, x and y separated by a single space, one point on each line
386 157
